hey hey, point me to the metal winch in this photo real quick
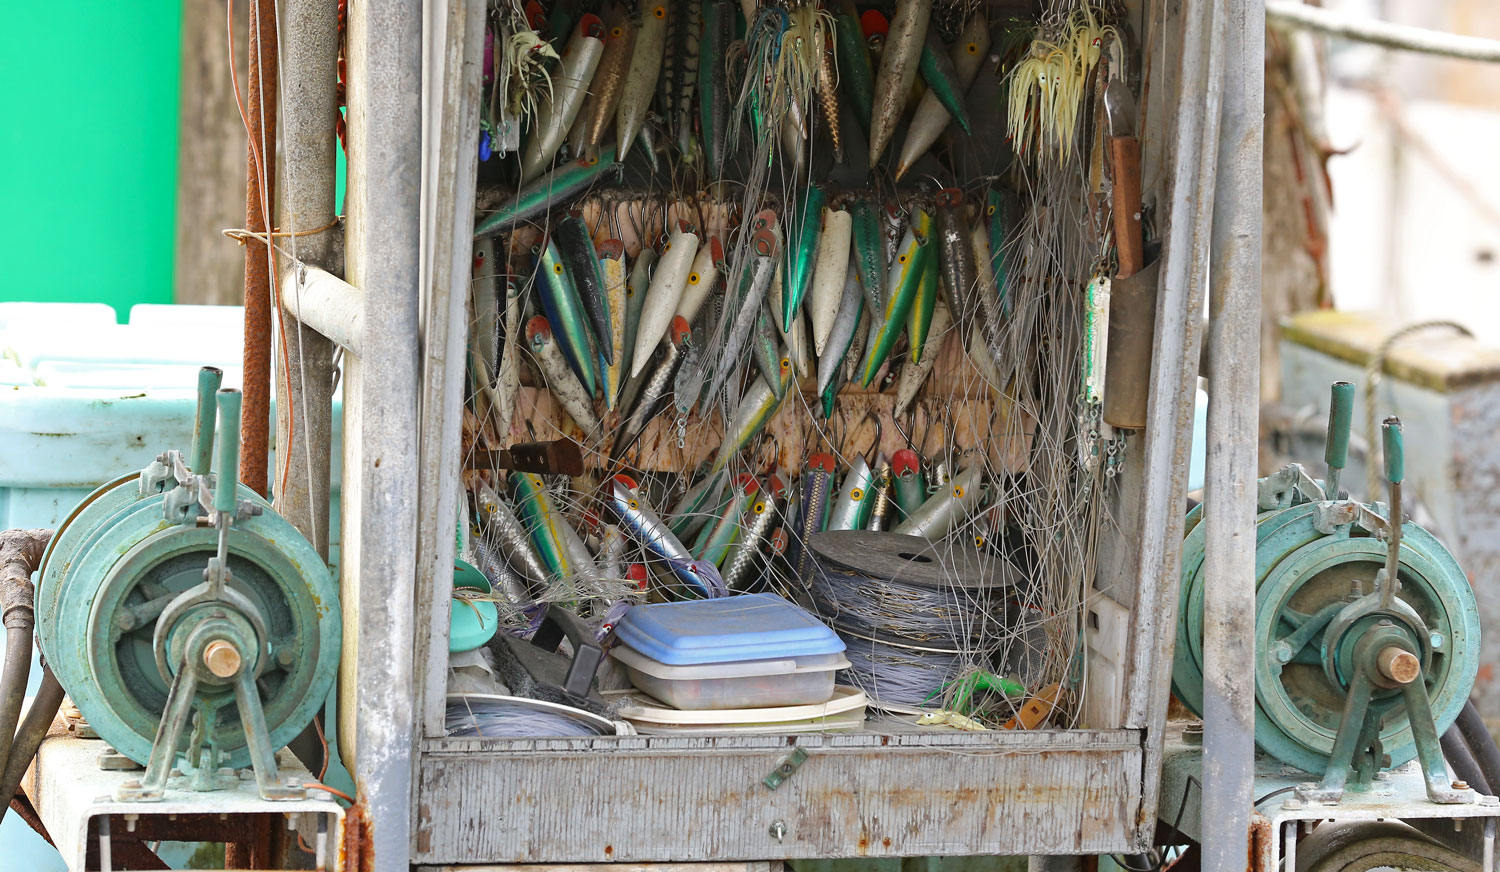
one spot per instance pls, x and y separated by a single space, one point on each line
1367 636
194 628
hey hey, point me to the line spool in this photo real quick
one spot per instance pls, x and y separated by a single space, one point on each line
914 616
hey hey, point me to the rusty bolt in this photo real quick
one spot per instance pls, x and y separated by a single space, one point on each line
1460 785
222 658
1399 664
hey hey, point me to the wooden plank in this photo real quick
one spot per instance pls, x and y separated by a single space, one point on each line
687 799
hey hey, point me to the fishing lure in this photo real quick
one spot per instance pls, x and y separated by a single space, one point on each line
908 483
508 379
665 291
856 78
612 266
755 280
635 299
793 333
840 338
797 259
817 482
641 76
828 102
701 502
715 540
564 311
1001 211
870 261
646 528
794 133
707 265
882 505
990 308
829 273
892 229
755 527
502 578
605 89
941 76
680 73
959 269
904 276
654 393
558 188
543 522
932 117
713 83
510 533
945 509
851 508
484 295
582 262
765 350
1047 86
561 383
898 70
755 409
568 90
916 373
919 321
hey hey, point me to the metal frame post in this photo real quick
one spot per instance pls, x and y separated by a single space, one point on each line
380 483
1233 437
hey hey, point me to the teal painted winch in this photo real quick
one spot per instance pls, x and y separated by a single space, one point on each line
193 627
1352 671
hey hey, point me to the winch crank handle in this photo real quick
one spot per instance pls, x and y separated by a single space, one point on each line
229 451
1395 471
1336 450
201 460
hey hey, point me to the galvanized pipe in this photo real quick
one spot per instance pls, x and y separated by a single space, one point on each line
260 193
304 384
1233 437
381 483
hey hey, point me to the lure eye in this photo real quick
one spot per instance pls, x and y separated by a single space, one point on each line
634 505
659 12
617 31
557 268
989 210
971 48
978 541
692 278
666 248
958 491
760 508
785 363
857 494
901 258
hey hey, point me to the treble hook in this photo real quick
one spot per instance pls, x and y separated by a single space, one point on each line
872 415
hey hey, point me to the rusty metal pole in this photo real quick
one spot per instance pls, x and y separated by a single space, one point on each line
260 108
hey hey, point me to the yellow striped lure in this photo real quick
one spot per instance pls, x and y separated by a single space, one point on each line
1046 86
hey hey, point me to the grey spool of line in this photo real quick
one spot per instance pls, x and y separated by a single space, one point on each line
912 615
487 717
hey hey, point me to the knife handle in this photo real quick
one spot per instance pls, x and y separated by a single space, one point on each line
1125 162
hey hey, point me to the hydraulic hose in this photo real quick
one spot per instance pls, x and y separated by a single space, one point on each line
20 554
1481 743
1461 760
33 730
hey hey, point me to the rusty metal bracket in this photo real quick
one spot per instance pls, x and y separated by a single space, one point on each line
785 768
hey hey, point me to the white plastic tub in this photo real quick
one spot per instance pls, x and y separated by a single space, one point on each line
804 680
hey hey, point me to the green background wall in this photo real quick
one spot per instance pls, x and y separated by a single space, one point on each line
88 150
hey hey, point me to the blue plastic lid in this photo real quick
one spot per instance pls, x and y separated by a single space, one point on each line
759 626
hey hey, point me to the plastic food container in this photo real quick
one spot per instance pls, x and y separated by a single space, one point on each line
736 652
745 684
